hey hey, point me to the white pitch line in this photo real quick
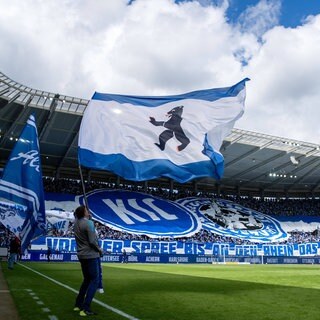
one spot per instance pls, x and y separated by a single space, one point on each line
119 312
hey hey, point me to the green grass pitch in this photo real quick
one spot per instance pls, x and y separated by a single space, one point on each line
170 291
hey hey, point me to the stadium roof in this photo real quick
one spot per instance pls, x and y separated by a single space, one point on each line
255 164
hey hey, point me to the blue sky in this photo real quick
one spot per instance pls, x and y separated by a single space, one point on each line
292 13
160 47
295 11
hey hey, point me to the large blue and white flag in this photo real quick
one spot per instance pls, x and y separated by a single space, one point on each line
21 183
142 138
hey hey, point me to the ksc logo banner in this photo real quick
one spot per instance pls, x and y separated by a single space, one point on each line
229 219
142 213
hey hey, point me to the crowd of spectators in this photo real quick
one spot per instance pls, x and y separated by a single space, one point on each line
203 236
269 206
105 232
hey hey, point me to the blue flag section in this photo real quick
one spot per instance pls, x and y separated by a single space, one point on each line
142 138
21 184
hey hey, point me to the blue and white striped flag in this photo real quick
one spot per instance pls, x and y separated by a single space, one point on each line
142 138
21 183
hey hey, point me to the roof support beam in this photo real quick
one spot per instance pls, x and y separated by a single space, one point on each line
53 106
4 91
15 97
75 138
244 156
279 155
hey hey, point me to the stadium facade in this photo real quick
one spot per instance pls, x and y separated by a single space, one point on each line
255 164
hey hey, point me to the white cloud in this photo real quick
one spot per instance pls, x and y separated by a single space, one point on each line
284 92
161 47
261 17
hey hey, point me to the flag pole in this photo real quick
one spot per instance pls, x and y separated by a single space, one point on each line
83 188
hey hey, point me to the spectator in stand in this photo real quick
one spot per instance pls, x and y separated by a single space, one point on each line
124 256
49 251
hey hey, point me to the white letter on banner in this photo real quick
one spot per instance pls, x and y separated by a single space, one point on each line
162 213
133 204
120 210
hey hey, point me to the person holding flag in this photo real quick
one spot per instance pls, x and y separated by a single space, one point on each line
89 254
22 184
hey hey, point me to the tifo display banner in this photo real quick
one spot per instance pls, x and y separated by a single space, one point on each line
142 138
141 213
58 220
68 245
226 218
172 258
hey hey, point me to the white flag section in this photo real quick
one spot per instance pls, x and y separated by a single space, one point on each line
142 138
21 183
12 216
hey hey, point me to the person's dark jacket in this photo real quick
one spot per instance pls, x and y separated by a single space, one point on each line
15 246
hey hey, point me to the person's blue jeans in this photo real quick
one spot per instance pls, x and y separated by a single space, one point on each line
12 259
90 271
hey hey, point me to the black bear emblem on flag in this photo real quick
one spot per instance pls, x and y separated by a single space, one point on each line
173 126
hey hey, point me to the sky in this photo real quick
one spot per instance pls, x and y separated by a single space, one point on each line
163 47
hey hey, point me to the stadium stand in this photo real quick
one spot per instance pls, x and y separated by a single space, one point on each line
255 164
270 206
259 171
